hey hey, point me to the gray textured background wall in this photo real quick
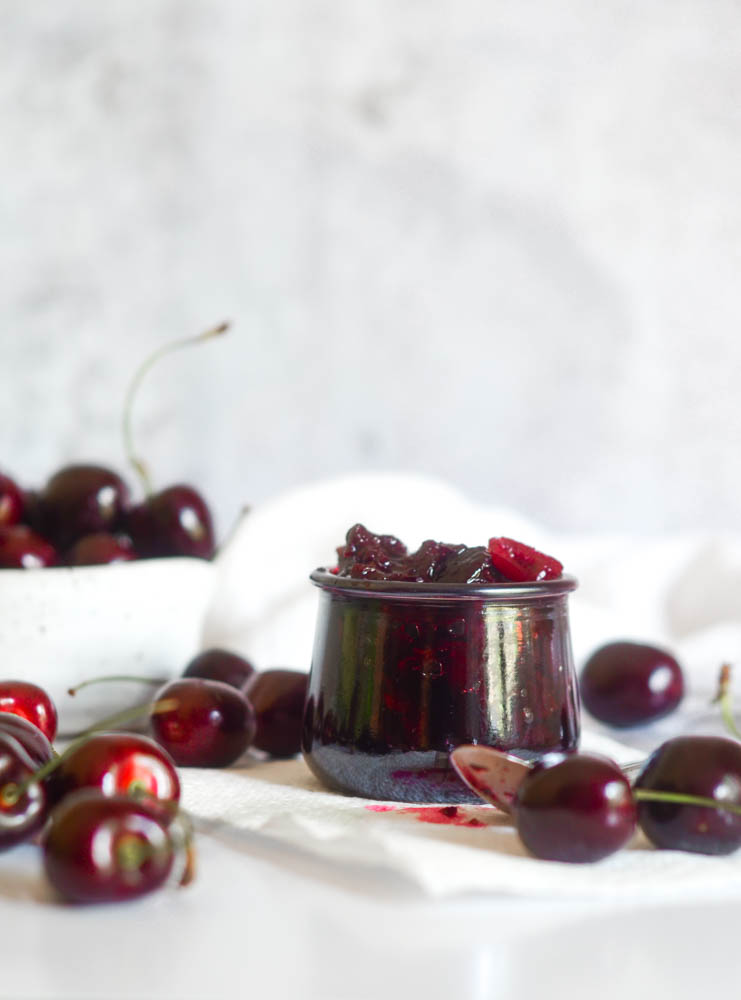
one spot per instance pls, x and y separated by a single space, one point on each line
494 242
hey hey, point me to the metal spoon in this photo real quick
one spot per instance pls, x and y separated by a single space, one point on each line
495 775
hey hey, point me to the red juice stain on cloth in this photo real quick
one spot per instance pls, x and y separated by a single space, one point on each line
447 815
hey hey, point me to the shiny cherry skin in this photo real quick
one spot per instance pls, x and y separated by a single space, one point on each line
100 549
278 697
30 702
20 817
23 548
117 764
578 809
33 741
101 848
174 522
706 766
630 683
211 726
221 665
12 502
81 500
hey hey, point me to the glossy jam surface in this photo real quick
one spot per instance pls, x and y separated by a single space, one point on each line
404 672
366 556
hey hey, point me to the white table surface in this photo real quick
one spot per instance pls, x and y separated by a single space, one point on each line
263 920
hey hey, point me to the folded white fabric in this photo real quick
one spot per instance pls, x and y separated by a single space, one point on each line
474 850
683 592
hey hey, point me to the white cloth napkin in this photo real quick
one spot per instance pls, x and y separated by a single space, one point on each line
283 800
684 592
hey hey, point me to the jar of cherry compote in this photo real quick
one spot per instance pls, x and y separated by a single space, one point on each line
404 672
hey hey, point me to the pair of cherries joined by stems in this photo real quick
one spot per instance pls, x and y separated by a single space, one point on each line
109 804
106 809
84 515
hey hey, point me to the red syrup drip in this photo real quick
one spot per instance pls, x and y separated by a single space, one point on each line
483 788
440 815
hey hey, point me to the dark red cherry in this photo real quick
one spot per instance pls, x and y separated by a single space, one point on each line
99 549
22 813
22 548
102 848
33 741
174 522
628 683
81 500
212 725
32 514
30 702
116 764
278 697
220 665
11 502
578 809
705 766
521 563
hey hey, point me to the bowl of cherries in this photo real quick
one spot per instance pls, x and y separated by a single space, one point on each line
93 581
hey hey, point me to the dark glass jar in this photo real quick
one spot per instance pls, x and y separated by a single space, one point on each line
404 672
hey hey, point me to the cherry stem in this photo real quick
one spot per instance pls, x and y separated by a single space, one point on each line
231 534
137 463
131 853
680 798
724 699
182 832
158 681
11 792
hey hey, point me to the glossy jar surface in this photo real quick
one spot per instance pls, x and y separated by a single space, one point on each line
404 672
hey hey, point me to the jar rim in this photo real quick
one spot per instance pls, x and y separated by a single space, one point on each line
410 590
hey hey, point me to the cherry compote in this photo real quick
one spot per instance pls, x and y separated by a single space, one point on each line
366 556
211 724
630 683
708 767
577 808
101 848
418 653
522 563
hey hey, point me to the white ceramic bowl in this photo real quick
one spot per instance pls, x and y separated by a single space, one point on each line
63 625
